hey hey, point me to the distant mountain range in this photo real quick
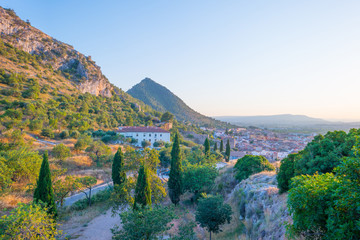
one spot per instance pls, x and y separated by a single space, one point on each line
282 119
289 122
162 99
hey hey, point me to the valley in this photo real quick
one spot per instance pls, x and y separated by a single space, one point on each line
82 159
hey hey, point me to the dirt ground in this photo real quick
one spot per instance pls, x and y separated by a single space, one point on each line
98 228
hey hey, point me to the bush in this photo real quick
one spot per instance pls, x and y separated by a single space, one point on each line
159 144
64 134
35 125
145 144
99 133
327 206
75 134
27 222
61 152
249 165
286 172
47 132
101 196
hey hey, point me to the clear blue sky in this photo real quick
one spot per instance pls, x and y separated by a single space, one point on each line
221 57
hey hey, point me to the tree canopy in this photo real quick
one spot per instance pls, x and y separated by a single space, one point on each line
211 213
249 165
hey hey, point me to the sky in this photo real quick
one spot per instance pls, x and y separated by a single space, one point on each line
233 57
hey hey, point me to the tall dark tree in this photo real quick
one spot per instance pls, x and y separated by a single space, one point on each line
207 146
215 147
118 173
143 189
227 151
175 183
221 146
44 191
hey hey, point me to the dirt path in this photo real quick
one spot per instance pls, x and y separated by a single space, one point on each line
98 228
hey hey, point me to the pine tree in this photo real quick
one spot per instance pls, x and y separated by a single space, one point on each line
118 173
207 146
215 147
175 183
221 146
227 151
44 191
142 190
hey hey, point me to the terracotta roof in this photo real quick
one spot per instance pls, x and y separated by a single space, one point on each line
142 129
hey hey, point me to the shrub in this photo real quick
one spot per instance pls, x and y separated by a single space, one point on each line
64 134
286 172
75 134
35 125
27 222
249 165
47 132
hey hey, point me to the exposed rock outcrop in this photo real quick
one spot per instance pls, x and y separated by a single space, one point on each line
262 210
78 68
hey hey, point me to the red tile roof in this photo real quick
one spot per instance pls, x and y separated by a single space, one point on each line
142 129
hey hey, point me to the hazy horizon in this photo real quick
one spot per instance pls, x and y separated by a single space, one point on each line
236 59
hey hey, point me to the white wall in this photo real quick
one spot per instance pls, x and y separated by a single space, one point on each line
148 136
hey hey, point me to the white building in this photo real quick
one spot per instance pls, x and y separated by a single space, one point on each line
151 134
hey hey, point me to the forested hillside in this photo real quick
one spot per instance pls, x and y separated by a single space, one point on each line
162 99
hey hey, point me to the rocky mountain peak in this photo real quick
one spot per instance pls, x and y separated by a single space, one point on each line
76 67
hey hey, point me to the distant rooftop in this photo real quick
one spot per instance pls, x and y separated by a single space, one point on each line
142 129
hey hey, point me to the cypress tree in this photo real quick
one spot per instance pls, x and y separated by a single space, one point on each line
142 189
44 191
175 183
227 151
215 147
207 146
118 173
221 146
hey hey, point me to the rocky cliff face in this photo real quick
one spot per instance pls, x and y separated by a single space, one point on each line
75 66
262 210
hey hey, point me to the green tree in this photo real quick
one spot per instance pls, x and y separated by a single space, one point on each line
149 158
44 191
249 165
286 172
197 178
144 224
145 144
227 151
61 152
167 117
87 183
83 142
47 132
129 121
64 134
215 147
211 213
327 206
28 222
186 231
62 187
118 171
207 147
143 189
221 146
99 151
175 184
6 174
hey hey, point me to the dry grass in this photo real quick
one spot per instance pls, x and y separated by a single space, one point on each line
79 161
11 200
